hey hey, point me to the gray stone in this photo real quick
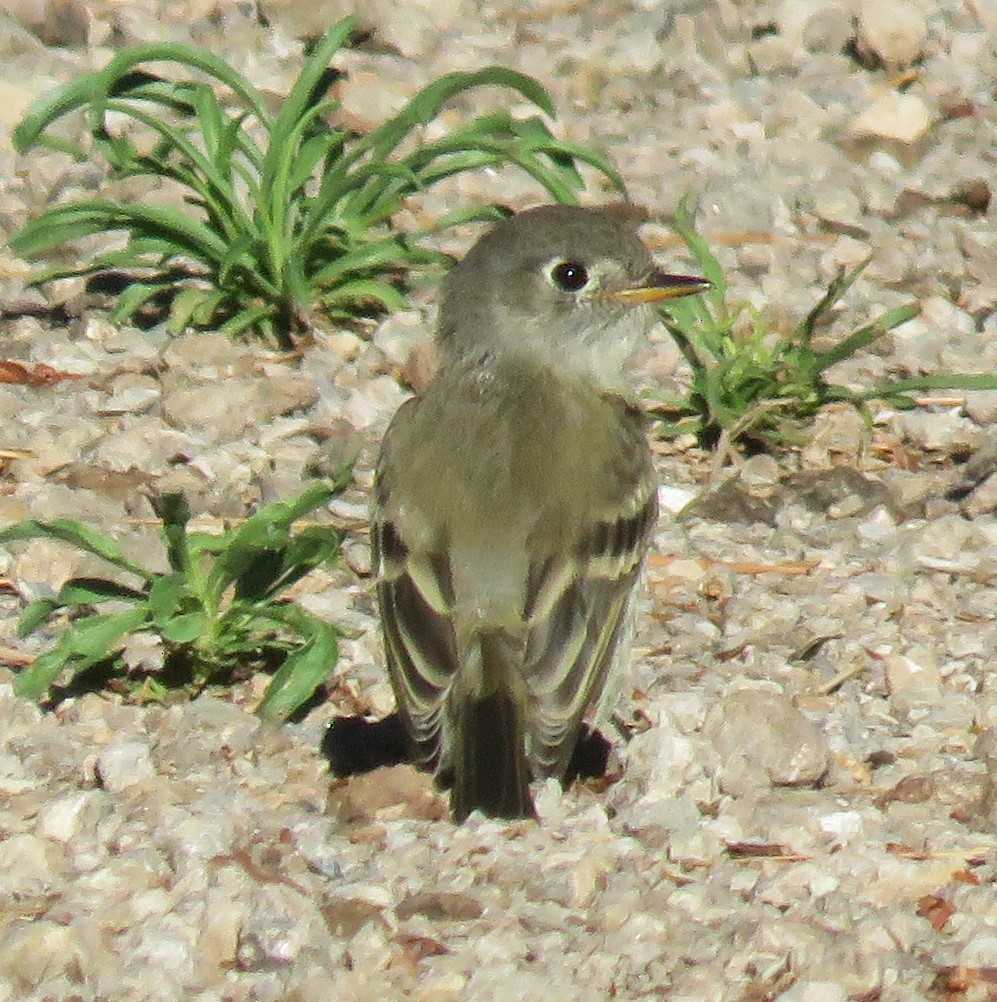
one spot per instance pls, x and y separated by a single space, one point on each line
762 740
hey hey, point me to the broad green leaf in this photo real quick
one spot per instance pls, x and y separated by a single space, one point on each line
382 194
303 94
426 105
303 672
50 107
188 56
259 574
84 643
307 549
97 637
286 174
185 628
378 255
33 682
57 226
247 318
562 189
241 257
283 513
193 306
165 596
139 252
560 148
685 227
208 544
460 137
193 168
213 123
120 78
89 591
268 529
35 614
458 162
85 218
276 570
310 153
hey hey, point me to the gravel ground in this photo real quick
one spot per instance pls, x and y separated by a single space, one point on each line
807 809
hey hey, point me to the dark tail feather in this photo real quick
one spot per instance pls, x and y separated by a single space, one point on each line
491 773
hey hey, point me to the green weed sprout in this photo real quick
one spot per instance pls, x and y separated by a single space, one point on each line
217 609
291 214
751 385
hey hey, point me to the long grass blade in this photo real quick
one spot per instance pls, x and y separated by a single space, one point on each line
426 105
841 283
864 336
939 381
76 534
294 113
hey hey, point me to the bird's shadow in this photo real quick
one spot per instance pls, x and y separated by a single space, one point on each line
355 745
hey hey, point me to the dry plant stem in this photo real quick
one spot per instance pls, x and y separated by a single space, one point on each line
845 675
726 451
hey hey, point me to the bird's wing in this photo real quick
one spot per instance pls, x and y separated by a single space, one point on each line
415 597
580 619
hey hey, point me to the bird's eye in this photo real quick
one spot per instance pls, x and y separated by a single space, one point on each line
569 276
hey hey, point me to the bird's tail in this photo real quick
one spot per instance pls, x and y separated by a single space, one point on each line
491 773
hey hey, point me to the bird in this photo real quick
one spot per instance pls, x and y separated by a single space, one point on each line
514 500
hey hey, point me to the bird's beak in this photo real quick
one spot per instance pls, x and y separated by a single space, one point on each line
659 287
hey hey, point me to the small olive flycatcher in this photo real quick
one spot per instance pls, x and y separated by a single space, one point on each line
514 503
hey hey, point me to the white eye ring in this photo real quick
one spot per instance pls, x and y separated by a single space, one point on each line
568 276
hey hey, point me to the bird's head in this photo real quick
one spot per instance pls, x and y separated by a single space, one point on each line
559 285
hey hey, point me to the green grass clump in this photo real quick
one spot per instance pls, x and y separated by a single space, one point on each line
291 214
217 611
752 385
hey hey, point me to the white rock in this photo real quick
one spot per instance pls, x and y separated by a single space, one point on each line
376 401
981 952
60 819
661 756
131 395
414 29
25 866
903 117
371 98
837 205
15 99
903 673
674 499
35 951
842 825
895 30
399 335
814 991
143 443
827 29
123 764
981 406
